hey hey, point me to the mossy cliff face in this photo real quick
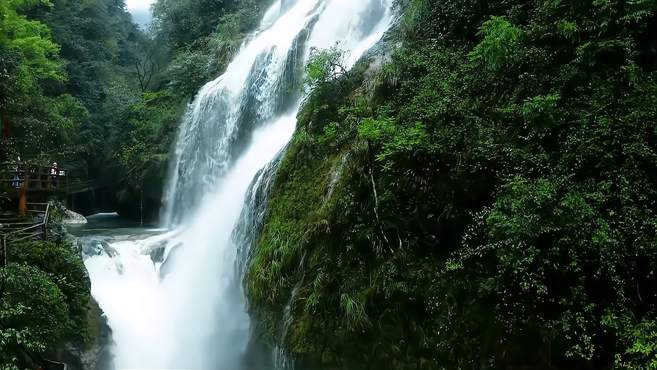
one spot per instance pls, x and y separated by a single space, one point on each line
324 279
484 198
93 351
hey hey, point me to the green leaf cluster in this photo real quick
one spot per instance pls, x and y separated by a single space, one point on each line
486 196
44 298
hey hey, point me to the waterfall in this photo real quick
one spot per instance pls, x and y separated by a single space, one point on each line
175 299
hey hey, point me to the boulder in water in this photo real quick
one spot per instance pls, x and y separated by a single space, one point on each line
73 218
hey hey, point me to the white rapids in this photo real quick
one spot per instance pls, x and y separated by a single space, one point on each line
186 309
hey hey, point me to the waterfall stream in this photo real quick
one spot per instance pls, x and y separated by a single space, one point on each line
174 299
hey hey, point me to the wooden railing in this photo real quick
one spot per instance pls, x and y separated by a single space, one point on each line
21 229
32 177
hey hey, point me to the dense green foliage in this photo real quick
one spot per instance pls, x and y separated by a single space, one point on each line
63 264
485 199
110 66
43 302
99 44
33 313
68 65
482 196
29 63
84 87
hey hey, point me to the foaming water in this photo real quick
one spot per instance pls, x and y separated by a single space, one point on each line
175 299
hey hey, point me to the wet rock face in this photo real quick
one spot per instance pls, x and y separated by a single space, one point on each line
94 351
165 268
91 246
157 254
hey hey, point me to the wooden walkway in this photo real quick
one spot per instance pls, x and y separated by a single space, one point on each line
33 178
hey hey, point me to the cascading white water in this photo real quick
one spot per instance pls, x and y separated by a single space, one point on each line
187 309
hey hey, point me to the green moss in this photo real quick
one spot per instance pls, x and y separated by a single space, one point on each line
496 201
295 214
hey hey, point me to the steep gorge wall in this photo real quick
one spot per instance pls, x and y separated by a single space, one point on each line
483 198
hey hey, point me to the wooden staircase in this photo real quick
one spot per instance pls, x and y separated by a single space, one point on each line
15 228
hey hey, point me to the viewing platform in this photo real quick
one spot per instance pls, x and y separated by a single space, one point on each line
23 182
33 178
19 219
